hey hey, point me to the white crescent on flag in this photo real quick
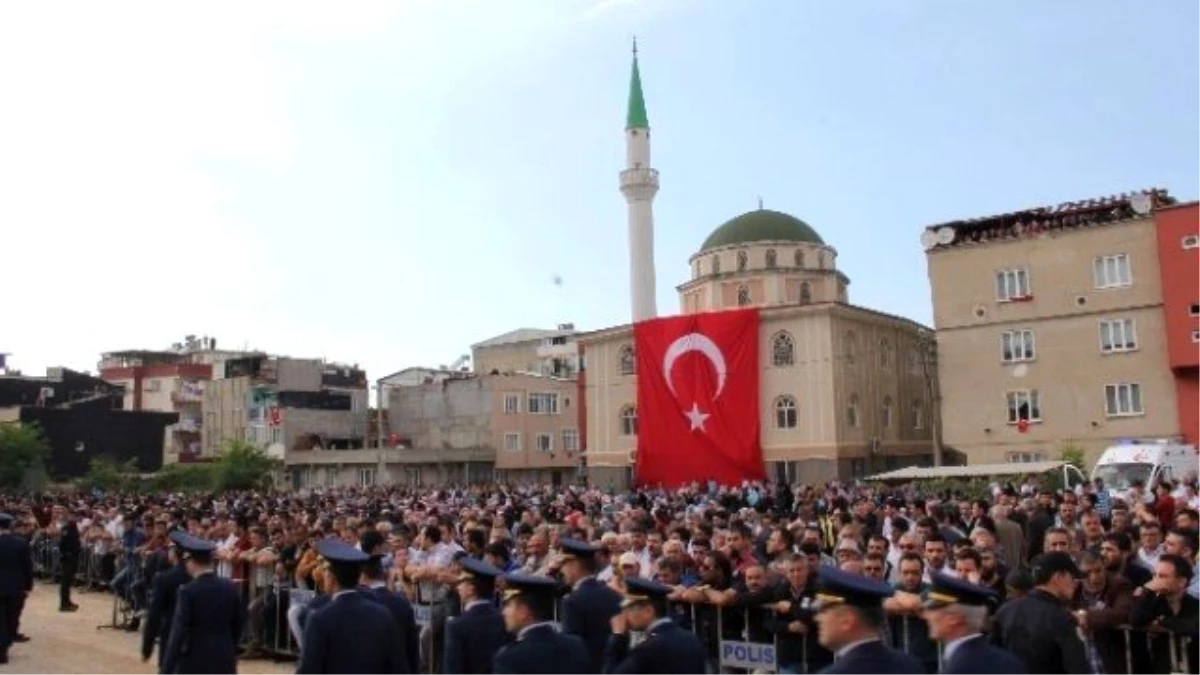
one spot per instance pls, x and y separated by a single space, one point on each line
695 342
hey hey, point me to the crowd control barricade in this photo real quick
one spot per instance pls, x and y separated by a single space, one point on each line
756 657
424 615
281 642
1179 648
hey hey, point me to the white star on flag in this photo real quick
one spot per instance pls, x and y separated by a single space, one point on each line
696 417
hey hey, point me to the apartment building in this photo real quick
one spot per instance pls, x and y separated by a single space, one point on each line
1051 329
1178 229
538 351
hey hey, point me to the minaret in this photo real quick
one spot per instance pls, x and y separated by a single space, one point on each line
639 184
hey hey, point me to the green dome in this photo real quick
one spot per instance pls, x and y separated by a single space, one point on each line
761 226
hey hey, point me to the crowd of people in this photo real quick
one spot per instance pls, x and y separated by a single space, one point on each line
800 579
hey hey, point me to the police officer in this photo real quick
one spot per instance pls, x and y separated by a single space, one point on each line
539 647
163 600
16 580
353 633
850 619
474 637
667 647
956 610
209 616
590 606
374 586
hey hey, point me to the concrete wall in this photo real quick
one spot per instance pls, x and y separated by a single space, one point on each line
455 414
298 374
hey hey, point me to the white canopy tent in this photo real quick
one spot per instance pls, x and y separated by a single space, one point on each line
913 473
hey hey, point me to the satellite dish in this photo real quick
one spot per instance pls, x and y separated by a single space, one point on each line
1140 203
928 239
945 235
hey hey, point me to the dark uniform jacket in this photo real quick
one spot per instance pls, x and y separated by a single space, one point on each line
162 610
352 634
1039 630
473 638
666 649
587 612
542 649
1153 611
406 621
16 566
874 657
208 623
798 650
975 655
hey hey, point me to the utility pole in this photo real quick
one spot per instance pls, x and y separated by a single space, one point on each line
927 344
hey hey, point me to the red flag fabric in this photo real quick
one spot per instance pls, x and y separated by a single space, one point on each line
697 399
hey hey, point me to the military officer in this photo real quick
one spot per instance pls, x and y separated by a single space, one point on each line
956 610
353 633
16 580
374 586
850 619
474 637
590 606
667 647
539 647
209 616
163 599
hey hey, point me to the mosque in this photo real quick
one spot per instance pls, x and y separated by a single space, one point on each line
844 390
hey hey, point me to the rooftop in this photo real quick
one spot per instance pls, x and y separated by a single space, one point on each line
524 335
761 225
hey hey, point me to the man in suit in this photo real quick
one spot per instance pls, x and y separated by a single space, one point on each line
162 602
956 611
209 616
474 637
850 622
374 586
590 606
667 648
353 633
16 580
539 647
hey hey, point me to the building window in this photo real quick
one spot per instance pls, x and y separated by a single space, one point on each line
696 269
783 349
798 258
366 477
1021 457
1123 400
850 347
626 361
1024 404
885 353
743 295
785 412
276 434
1112 271
543 404
770 258
570 440
1196 336
716 264
629 421
918 416
512 442
743 261
1012 285
512 404
1194 309
805 293
543 442
1190 241
1118 335
885 413
852 411
1016 345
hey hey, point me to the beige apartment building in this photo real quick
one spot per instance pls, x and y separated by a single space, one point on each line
1050 329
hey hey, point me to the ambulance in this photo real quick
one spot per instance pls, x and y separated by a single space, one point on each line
1145 461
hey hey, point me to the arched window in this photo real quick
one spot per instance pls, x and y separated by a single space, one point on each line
785 412
716 264
918 415
743 295
885 413
885 353
850 347
805 293
852 412
743 261
627 361
696 269
783 349
770 258
798 257
629 421
820 260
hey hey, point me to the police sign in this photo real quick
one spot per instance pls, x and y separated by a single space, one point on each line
747 655
423 614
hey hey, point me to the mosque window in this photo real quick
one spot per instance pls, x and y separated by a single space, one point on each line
783 349
799 257
849 347
716 264
626 360
629 421
785 412
743 296
805 293
886 413
696 269
743 261
885 353
852 411
770 258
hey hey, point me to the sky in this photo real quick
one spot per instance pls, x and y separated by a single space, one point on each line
387 183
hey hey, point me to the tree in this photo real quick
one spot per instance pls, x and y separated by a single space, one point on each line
243 466
105 473
23 454
1073 455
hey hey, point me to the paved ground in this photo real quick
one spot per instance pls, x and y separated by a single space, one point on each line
71 643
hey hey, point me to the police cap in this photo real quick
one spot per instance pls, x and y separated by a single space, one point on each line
533 586
6 520
573 548
638 590
478 570
947 590
191 546
338 552
835 587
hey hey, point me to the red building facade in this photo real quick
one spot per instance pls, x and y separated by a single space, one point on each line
1178 229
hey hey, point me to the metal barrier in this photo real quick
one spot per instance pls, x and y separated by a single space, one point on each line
751 656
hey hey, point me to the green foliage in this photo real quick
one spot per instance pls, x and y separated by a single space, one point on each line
975 488
107 474
243 466
23 454
1073 455
183 478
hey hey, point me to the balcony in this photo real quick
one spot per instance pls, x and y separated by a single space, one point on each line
558 351
187 425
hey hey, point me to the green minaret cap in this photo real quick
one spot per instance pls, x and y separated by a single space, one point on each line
637 103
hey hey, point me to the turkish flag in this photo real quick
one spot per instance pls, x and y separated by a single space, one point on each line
697 399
